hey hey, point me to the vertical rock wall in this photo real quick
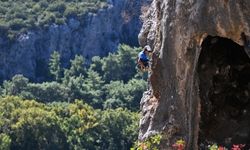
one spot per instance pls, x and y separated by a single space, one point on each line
96 34
176 30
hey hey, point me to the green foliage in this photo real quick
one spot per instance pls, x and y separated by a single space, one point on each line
213 147
30 126
71 11
55 66
75 85
121 126
179 144
46 92
124 95
22 15
57 7
41 127
55 120
15 86
117 95
77 121
135 88
96 65
43 92
27 124
5 141
152 143
76 69
93 89
78 82
16 24
118 66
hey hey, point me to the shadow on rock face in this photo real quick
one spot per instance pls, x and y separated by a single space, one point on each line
224 83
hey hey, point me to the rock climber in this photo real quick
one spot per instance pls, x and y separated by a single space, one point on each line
143 60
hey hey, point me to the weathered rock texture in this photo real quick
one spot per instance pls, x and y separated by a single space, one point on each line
200 72
94 34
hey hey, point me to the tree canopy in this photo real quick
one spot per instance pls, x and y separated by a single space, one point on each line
20 15
81 108
27 124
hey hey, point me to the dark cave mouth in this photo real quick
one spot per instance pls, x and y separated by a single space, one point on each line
224 84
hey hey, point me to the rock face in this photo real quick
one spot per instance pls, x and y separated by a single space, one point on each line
95 34
200 72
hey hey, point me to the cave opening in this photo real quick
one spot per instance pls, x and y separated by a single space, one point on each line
224 90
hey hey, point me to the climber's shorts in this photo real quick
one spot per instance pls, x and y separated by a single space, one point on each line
145 63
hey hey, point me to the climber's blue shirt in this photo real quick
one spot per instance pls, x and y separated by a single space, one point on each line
142 55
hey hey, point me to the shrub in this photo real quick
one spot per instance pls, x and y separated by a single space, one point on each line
71 11
60 7
17 24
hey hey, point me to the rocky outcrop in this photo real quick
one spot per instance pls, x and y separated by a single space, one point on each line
94 34
195 41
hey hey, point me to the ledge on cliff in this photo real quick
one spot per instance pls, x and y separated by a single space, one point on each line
224 75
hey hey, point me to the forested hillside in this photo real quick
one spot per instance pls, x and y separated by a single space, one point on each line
66 81
22 15
30 31
79 108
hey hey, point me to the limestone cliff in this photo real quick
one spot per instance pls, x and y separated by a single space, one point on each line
200 72
94 34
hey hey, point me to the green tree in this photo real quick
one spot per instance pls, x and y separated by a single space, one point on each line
111 68
27 124
30 125
78 121
75 85
96 65
121 128
93 89
135 89
76 68
116 95
37 128
15 86
127 59
20 16
5 141
127 95
55 66
46 92
120 65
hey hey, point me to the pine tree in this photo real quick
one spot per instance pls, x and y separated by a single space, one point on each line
76 68
55 66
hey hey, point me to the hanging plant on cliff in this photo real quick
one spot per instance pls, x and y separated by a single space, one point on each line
179 145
